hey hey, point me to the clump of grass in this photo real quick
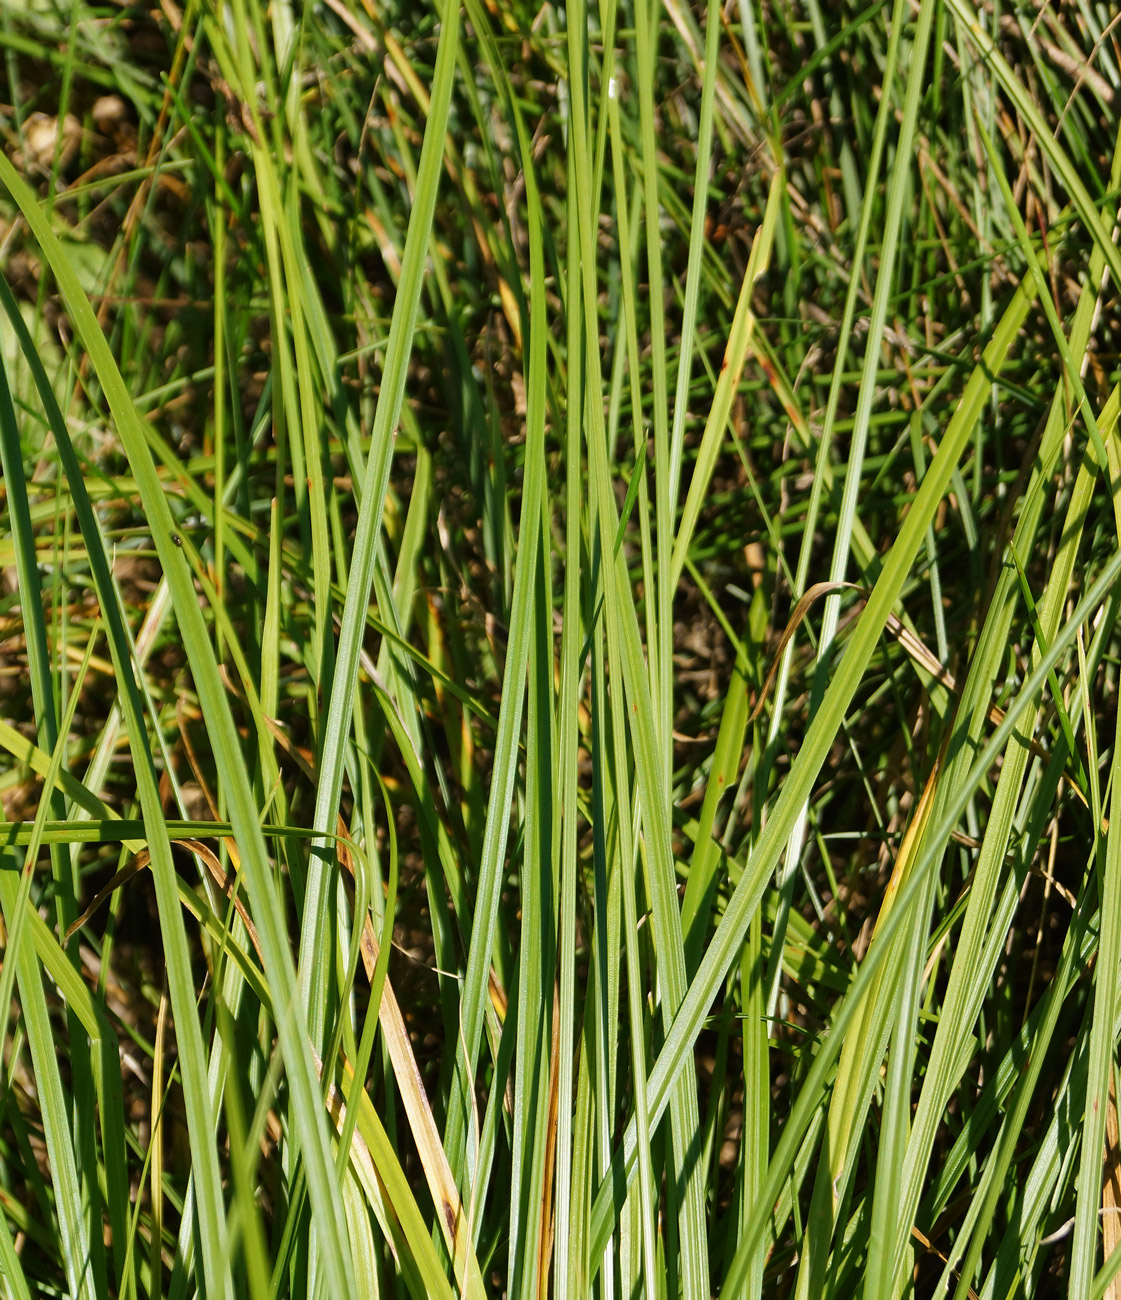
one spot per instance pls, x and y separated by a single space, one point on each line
559 650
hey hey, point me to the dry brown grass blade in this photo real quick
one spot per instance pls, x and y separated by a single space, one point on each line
119 878
226 883
800 611
192 759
